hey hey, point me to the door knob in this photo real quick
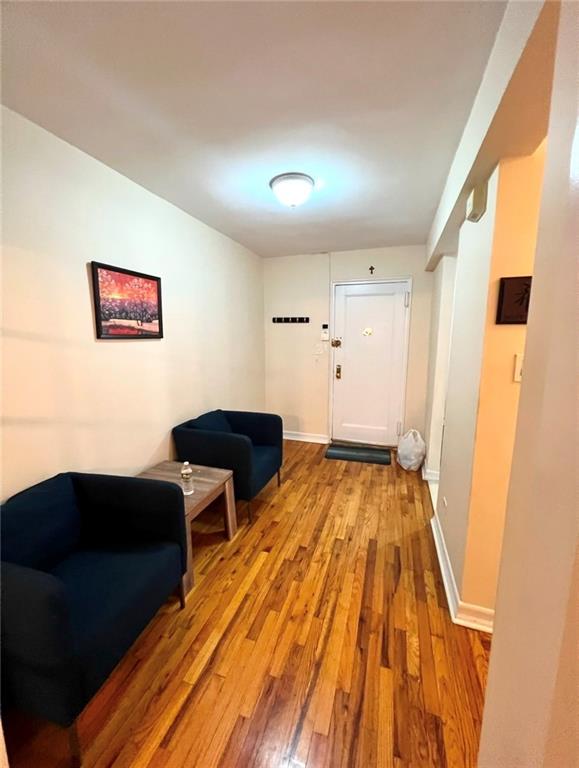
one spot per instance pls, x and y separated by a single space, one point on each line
338 371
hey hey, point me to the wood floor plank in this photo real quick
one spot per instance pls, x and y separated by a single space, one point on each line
385 745
318 637
453 730
427 668
351 628
204 653
327 681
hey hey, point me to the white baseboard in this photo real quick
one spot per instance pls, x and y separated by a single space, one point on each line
307 437
433 490
445 566
430 474
475 617
465 614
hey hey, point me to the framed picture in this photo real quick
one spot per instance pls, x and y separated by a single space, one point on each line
514 298
127 304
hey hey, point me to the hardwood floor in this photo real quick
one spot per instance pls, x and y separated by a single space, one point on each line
319 637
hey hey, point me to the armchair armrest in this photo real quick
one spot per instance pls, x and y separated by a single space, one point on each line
41 672
217 449
35 620
120 510
261 428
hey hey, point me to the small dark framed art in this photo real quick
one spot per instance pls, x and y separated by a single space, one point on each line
514 299
127 304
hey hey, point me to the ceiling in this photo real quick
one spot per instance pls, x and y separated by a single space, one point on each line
203 102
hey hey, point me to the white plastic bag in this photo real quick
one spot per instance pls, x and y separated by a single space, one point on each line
411 450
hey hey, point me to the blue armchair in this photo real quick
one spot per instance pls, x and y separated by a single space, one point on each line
251 444
87 560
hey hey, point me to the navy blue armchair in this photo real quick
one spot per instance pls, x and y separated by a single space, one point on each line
87 561
251 444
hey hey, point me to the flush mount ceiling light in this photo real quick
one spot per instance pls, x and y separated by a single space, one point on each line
292 189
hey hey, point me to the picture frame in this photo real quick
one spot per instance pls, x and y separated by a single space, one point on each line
127 304
514 299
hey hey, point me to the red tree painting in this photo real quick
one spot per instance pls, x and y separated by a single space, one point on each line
127 304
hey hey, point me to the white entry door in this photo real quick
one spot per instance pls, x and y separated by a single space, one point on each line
370 339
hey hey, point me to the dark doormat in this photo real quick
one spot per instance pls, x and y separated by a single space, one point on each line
352 452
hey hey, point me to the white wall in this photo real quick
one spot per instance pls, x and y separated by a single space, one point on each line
514 243
466 350
483 398
297 374
70 401
531 711
440 329
296 361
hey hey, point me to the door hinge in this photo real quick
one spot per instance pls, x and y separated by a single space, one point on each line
398 427
406 298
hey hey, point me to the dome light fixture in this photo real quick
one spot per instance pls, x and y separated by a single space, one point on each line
292 189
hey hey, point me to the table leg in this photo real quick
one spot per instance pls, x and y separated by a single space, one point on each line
230 511
188 578
182 590
74 743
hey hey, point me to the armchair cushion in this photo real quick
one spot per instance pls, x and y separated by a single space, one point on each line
112 595
41 525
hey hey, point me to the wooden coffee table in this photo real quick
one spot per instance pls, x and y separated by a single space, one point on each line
209 483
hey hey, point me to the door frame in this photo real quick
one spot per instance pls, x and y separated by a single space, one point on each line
368 281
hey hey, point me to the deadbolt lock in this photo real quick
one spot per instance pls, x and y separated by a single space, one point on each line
336 342
338 371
